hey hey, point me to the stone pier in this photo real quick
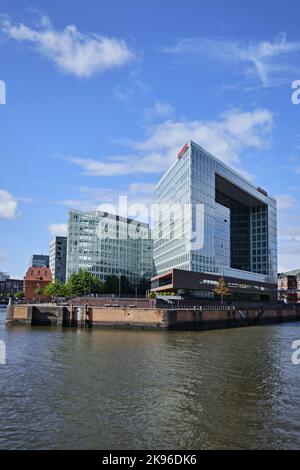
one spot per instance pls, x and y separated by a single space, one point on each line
142 318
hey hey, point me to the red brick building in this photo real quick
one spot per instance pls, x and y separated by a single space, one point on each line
289 287
36 278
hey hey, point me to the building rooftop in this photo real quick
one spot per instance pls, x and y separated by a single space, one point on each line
99 214
217 160
41 274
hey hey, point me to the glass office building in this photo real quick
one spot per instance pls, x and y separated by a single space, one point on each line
228 226
39 261
58 258
106 244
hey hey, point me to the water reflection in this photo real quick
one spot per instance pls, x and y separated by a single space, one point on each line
106 389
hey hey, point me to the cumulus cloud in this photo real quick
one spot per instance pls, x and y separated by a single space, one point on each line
226 138
57 229
72 51
8 205
269 61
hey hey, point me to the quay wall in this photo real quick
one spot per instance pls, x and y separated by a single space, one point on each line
156 318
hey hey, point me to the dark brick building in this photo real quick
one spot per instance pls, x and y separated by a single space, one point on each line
9 287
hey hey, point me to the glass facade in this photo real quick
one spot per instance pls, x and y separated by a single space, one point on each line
238 227
105 244
58 258
39 261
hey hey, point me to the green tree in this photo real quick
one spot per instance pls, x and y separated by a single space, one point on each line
39 291
19 295
143 286
126 286
113 284
83 283
222 289
54 289
151 295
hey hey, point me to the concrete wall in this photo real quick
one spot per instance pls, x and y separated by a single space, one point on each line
79 316
151 318
209 319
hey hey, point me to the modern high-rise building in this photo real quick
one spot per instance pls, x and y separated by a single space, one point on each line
58 258
39 261
106 244
222 226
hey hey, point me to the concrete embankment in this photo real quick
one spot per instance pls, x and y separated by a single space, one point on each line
156 318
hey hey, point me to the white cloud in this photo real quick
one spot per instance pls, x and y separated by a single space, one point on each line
160 109
141 188
288 234
8 205
285 201
92 197
270 61
226 138
58 229
289 254
133 85
72 51
122 93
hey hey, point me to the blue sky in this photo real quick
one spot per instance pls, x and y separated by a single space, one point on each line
100 98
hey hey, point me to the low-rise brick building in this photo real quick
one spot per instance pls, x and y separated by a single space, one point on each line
35 279
289 286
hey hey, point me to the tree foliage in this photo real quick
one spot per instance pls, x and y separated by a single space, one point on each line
113 285
19 295
84 283
152 295
143 286
54 289
222 289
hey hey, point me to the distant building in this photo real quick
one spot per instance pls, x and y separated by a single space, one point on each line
36 278
39 261
4 276
228 230
105 244
289 286
58 258
9 287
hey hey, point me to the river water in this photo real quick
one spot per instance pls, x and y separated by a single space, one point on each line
122 389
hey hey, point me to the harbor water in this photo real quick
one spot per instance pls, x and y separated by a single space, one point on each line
126 389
